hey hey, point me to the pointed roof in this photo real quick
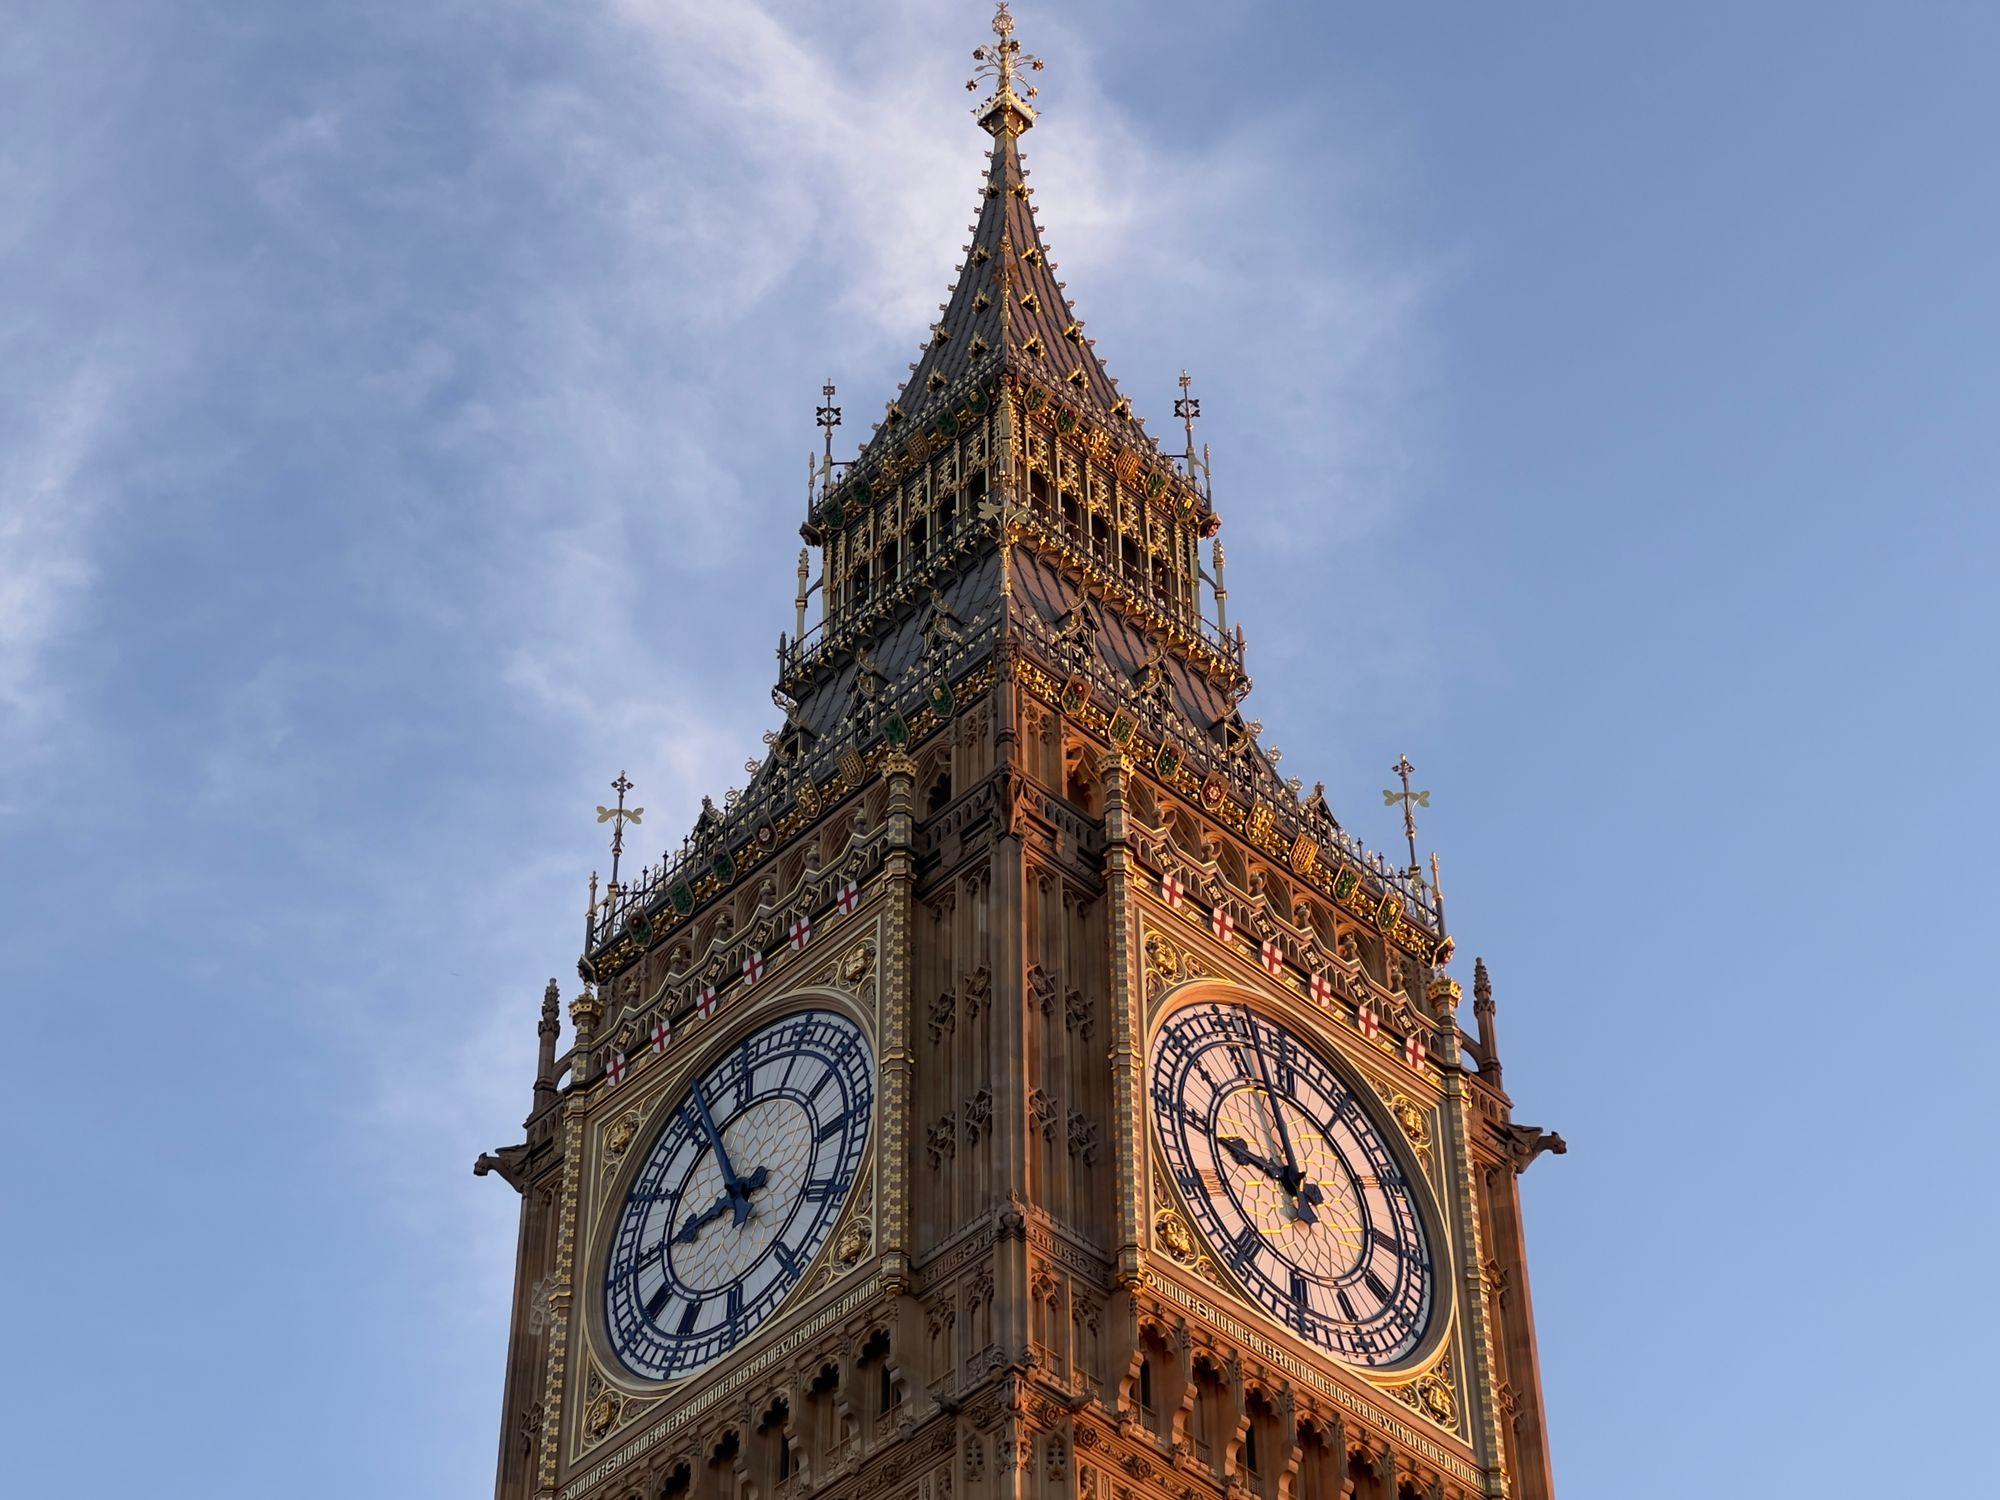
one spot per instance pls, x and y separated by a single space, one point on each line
1007 310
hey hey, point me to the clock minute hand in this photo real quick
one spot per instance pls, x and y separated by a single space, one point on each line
730 1181
1294 1181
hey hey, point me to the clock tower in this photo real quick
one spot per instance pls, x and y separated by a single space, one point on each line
1018 1089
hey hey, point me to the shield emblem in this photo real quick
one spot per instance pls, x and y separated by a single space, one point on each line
1345 882
895 731
941 699
641 930
1122 725
1074 692
808 796
1167 761
724 867
1212 792
976 400
1389 910
682 895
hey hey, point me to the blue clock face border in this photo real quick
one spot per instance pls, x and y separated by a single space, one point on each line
745 1176
1292 1180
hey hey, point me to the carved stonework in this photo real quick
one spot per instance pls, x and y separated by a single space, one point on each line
941 1141
1167 965
1085 1140
978 1115
1433 1394
621 1134
1043 1109
1079 1014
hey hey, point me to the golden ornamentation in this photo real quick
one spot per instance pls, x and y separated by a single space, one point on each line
1410 1115
853 1242
1173 1236
622 1130
603 1412
859 961
1433 1394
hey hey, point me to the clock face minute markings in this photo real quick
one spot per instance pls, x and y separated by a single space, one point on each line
1282 1167
738 1193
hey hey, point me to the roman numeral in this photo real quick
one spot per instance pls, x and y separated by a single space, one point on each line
688 1317
1301 1299
1375 1283
823 1189
832 1128
659 1298
1247 1245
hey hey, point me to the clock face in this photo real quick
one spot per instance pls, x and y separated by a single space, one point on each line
738 1194
1287 1175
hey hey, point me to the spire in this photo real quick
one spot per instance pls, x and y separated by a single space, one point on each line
1007 310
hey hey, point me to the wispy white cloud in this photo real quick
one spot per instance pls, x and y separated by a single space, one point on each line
50 508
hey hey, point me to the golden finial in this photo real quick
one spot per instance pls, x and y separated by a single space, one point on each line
1411 801
1000 60
618 817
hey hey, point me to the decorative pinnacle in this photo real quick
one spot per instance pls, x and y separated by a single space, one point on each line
1000 60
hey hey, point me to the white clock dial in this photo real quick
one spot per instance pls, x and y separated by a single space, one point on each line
738 1193
1284 1169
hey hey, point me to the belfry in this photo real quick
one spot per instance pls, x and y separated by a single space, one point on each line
1018 1088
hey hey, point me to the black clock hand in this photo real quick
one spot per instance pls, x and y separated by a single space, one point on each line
730 1180
1239 1148
731 1201
1294 1181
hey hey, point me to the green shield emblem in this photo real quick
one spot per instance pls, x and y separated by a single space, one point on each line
1345 882
1167 761
1122 725
941 702
895 731
725 867
682 895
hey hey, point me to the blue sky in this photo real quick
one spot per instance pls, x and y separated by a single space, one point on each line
403 419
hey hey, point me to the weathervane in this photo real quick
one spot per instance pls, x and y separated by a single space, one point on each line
618 817
1000 59
1411 801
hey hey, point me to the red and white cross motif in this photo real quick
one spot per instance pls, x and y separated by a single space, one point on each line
616 1070
1413 1051
802 931
1365 1020
850 897
1222 924
1322 992
1171 890
753 968
1272 955
708 999
663 1033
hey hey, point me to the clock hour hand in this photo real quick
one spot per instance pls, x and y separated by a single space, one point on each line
732 1201
1239 1148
